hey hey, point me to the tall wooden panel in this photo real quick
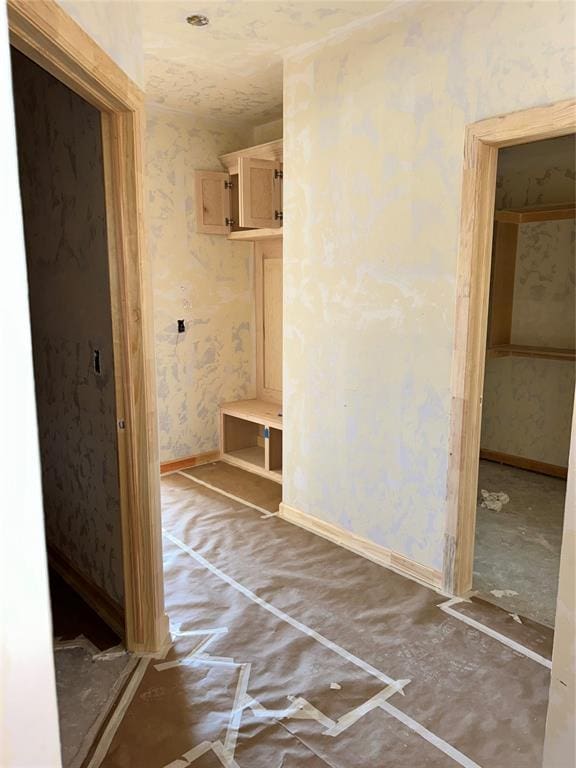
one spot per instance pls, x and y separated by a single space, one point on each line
268 290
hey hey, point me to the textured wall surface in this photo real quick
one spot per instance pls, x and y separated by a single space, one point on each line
528 403
116 26
204 279
62 186
373 131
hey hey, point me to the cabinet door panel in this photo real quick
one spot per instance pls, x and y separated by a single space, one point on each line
259 193
212 202
269 319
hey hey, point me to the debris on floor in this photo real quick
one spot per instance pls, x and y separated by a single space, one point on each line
494 500
503 592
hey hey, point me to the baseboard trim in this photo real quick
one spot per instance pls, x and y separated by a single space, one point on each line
523 463
111 612
361 546
189 462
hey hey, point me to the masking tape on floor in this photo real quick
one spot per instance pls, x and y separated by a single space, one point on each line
265 512
368 668
447 608
383 704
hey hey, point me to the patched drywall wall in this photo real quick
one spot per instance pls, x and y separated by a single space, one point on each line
62 188
205 280
373 142
527 404
116 25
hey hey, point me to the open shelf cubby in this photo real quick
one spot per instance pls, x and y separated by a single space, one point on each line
251 437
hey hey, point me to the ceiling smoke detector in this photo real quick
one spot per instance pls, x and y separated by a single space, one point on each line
198 20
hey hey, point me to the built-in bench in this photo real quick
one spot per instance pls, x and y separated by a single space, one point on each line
251 437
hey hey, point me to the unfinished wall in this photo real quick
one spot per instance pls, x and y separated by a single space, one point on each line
203 279
62 187
528 403
115 26
374 131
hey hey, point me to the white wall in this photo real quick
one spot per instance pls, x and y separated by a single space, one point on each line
373 145
28 716
115 26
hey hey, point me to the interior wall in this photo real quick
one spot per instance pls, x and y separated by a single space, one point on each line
205 280
62 188
29 734
267 132
373 137
115 26
528 403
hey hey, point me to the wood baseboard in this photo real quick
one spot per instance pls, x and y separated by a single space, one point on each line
111 612
523 463
189 461
361 546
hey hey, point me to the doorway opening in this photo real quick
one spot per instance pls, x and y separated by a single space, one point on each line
528 390
483 142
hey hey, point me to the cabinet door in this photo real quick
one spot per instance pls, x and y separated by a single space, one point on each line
268 274
212 202
259 193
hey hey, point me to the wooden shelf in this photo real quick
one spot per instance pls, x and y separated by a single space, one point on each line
254 455
255 234
525 215
258 411
521 350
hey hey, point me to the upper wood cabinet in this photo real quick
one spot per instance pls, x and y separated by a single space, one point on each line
248 197
260 198
212 203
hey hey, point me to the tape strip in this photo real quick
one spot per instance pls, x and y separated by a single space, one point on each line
354 715
447 608
236 714
265 512
431 738
368 668
119 712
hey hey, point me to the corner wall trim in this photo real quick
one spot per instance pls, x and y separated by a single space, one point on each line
111 612
189 461
401 564
554 470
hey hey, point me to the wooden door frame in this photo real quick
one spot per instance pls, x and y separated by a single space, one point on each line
46 34
483 139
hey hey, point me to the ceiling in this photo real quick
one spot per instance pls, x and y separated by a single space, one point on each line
231 70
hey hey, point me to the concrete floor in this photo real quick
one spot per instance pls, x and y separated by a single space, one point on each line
518 549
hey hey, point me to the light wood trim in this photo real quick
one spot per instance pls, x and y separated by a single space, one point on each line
271 150
522 350
190 461
482 141
46 34
111 612
554 470
502 283
256 234
526 215
270 249
218 206
361 546
250 467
